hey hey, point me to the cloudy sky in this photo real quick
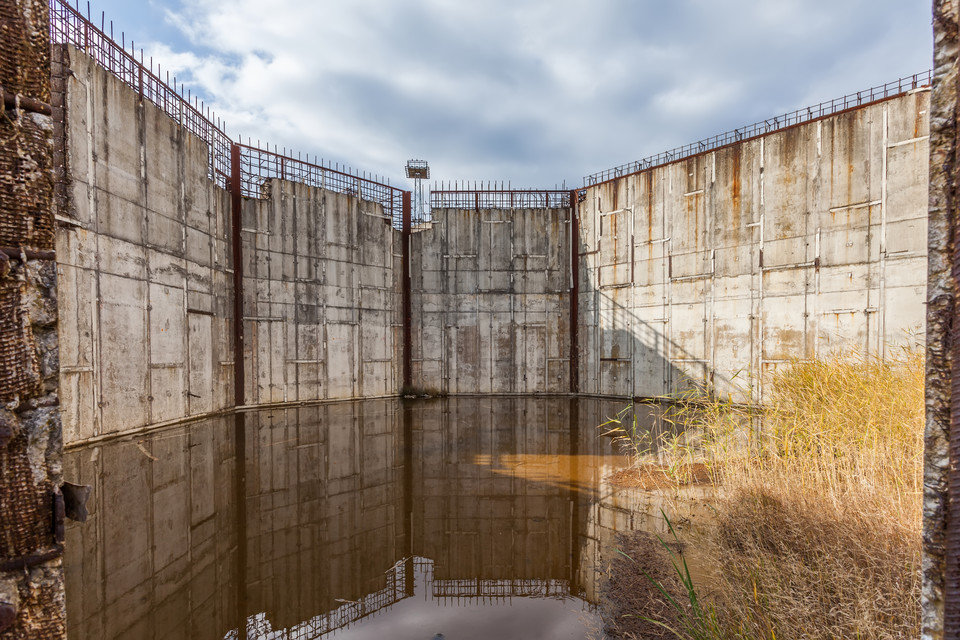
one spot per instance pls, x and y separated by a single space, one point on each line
535 92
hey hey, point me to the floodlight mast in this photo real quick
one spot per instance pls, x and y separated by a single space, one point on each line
419 171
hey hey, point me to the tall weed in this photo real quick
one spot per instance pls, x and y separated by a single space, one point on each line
818 519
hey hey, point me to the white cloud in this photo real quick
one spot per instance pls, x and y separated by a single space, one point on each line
535 92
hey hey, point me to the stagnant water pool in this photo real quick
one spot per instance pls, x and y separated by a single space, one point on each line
468 517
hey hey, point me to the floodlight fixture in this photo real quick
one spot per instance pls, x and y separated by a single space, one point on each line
418 169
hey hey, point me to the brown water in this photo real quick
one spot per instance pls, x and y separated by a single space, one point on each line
470 517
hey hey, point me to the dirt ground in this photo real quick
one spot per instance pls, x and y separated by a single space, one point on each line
648 477
628 595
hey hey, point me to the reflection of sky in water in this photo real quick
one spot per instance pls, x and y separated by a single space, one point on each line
317 538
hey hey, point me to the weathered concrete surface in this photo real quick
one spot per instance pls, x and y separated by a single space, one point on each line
490 298
322 299
717 269
144 264
944 225
721 267
31 574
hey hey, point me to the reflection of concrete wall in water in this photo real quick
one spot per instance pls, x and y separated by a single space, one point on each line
728 264
159 555
159 548
504 490
491 295
477 512
322 297
504 496
324 509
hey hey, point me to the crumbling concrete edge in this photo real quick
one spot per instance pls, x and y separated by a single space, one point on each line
941 313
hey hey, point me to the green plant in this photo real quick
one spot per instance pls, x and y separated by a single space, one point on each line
698 623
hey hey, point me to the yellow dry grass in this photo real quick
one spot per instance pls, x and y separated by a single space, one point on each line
818 521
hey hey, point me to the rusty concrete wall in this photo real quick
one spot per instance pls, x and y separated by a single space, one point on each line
490 298
723 266
322 299
143 252
940 495
31 574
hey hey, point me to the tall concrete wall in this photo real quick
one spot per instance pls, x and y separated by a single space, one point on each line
143 255
724 266
321 297
490 298
716 268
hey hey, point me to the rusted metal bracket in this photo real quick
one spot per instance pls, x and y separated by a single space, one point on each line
75 498
26 562
574 319
8 615
23 103
16 253
405 287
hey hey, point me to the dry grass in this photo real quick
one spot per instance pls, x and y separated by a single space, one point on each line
818 521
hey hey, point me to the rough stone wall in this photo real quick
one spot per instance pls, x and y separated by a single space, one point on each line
321 297
31 578
490 298
143 252
944 226
723 266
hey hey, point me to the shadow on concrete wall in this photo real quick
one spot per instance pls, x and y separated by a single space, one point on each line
622 354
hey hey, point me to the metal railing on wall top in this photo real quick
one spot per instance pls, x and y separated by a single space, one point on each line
492 197
860 98
260 165
69 26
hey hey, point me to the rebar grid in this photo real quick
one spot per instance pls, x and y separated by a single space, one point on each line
860 98
70 27
499 199
346 614
260 165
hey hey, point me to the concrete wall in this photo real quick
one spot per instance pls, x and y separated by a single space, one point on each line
724 266
147 285
143 261
321 297
720 267
490 298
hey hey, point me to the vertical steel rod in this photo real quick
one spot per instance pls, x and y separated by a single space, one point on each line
574 294
235 202
405 288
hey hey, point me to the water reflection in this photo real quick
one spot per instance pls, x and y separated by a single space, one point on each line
347 517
